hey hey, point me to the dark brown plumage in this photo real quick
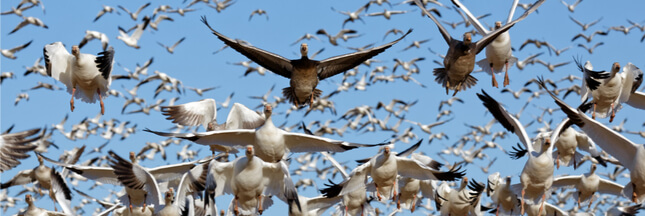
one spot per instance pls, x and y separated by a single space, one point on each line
304 73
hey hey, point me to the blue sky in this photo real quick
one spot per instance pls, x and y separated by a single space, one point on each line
196 66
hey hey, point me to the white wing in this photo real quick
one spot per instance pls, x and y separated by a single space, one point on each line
637 100
57 61
192 114
473 19
241 117
299 142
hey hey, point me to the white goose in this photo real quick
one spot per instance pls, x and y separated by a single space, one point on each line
463 201
60 194
630 154
409 188
133 40
567 141
498 53
502 195
250 180
40 174
270 143
612 91
352 203
587 185
89 73
384 169
537 175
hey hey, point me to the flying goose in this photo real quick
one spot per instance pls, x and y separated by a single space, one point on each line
134 15
537 176
498 53
133 40
460 58
588 185
270 143
29 20
60 194
80 71
384 169
609 92
630 154
304 73
250 179
568 141
463 201
501 194
10 53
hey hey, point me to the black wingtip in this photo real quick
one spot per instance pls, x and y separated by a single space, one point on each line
58 179
454 174
601 161
496 109
332 190
518 152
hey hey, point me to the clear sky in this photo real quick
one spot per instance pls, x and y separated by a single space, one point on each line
196 66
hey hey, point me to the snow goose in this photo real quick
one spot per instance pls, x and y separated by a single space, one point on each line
178 204
463 201
250 180
567 141
304 73
89 73
29 20
630 154
409 187
612 90
138 181
60 193
352 203
40 174
460 58
384 169
587 185
537 175
270 143
500 192
498 53
15 146
11 53
133 40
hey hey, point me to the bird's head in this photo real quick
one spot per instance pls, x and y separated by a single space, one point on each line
133 157
76 50
615 68
169 196
593 168
28 199
249 151
40 159
386 150
498 25
468 38
508 180
304 49
268 110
